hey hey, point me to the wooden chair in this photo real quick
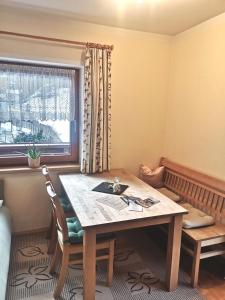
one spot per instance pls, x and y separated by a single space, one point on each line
68 210
70 242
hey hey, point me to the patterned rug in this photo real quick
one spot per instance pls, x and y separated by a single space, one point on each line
139 272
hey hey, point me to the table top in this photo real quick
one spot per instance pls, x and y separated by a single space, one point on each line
89 206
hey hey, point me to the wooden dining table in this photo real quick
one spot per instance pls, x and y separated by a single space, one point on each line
104 213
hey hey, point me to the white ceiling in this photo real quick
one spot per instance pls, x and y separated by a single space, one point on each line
159 16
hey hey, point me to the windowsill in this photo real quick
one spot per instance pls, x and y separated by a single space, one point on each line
63 167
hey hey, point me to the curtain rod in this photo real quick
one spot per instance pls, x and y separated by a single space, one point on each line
44 38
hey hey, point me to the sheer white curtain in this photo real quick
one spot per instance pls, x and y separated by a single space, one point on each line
96 145
36 93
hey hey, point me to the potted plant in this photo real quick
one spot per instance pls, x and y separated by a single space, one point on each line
34 157
33 154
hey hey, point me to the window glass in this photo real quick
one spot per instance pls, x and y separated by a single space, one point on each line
38 105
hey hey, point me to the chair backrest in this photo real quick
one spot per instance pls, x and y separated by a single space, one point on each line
45 172
58 211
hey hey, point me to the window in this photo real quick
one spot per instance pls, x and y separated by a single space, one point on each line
38 104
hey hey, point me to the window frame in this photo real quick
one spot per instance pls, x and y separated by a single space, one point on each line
73 157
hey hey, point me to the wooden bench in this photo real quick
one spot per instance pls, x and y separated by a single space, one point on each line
207 194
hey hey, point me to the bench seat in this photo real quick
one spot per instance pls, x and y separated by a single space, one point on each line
206 233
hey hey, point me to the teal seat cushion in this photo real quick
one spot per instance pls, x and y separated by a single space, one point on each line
76 233
66 205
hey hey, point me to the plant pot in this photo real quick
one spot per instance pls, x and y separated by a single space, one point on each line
34 162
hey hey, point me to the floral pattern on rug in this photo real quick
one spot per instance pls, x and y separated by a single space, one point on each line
140 281
78 291
31 251
126 256
134 278
123 255
101 293
31 277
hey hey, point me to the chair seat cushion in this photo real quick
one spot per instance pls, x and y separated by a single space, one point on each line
170 194
75 231
195 217
65 203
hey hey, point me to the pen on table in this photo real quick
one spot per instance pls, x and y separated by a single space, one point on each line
125 200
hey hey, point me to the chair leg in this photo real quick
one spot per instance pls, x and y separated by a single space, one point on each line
62 275
53 239
110 263
54 259
195 264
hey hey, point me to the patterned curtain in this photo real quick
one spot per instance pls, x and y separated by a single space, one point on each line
96 111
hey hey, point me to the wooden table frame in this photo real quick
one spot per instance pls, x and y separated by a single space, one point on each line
173 250
174 220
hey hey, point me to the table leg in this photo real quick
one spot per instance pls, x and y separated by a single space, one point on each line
89 264
173 252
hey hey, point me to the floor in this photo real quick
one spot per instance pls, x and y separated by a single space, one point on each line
139 272
212 279
212 270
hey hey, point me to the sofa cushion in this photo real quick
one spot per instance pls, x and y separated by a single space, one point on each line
5 243
153 177
195 217
170 194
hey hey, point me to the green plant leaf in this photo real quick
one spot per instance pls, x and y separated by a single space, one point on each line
33 152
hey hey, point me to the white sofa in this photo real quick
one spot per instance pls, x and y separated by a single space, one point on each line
5 244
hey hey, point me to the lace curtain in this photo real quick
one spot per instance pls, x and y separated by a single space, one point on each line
96 144
36 93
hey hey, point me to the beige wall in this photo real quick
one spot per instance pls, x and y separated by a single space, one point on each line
195 126
168 97
140 66
26 198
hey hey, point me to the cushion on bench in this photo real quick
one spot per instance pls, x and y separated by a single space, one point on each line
153 177
206 233
170 194
195 217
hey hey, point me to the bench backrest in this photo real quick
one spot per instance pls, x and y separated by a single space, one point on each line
202 191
